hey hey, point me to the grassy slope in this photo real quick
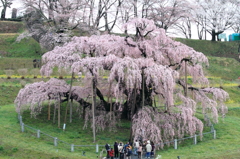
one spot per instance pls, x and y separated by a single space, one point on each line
25 48
10 48
10 27
22 145
217 48
25 145
225 146
226 68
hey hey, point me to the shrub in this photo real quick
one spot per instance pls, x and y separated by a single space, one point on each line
15 149
22 71
9 72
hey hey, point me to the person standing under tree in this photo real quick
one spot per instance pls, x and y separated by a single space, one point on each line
116 150
153 148
111 152
144 146
121 150
107 147
139 151
125 148
128 151
148 149
136 145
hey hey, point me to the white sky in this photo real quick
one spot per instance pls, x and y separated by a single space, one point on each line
15 4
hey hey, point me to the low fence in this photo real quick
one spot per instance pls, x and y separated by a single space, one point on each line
72 147
55 140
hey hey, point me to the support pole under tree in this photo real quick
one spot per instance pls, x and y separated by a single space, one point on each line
143 90
54 114
185 92
71 107
110 98
93 107
83 111
49 109
133 107
70 92
59 111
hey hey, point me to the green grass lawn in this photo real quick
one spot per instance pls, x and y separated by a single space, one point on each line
226 145
15 144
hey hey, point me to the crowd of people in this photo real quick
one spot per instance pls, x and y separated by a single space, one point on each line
125 151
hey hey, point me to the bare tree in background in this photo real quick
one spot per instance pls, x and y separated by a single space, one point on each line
216 16
166 13
5 4
50 22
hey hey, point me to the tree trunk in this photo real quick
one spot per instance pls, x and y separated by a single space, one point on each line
49 110
126 114
93 108
185 90
110 86
106 20
59 113
68 103
50 10
133 108
54 114
70 111
213 35
83 112
135 9
3 13
143 86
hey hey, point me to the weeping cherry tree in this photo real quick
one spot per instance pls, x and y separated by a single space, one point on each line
143 66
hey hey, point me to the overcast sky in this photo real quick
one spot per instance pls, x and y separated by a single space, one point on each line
16 4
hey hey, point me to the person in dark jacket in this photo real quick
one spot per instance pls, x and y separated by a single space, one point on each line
128 151
116 150
153 148
107 147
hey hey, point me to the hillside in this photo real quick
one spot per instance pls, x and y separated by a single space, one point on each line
216 48
9 31
11 27
30 48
